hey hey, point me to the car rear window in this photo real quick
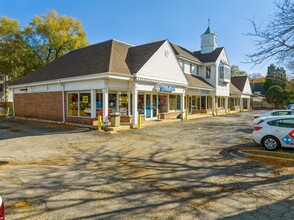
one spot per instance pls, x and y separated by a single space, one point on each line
284 123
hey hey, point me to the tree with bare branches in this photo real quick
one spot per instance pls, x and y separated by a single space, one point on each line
275 40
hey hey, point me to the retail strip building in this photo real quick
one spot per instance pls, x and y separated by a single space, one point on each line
155 80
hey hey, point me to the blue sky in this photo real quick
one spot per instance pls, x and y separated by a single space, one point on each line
143 21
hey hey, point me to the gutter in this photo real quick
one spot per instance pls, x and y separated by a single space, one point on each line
63 104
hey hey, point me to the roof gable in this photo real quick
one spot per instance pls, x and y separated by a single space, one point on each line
239 82
163 66
139 55
183 52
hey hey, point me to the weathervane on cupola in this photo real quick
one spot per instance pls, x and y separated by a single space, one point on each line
208 40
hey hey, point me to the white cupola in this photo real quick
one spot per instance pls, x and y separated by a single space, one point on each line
208 41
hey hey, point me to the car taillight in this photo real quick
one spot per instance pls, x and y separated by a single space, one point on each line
256 116
2 217
257 128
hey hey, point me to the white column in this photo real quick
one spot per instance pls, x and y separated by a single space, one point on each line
93 103
134 105
105 105
167 102
129 103
248 104
206 102
226 104
213 106
183 103
117 101
241 104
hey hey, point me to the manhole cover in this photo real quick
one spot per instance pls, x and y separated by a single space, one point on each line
3 163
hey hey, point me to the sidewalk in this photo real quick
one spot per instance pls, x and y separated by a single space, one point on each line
147 123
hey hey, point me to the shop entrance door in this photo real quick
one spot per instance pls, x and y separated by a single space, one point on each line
154 106
148 106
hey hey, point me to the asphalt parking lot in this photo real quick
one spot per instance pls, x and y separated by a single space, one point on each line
170 171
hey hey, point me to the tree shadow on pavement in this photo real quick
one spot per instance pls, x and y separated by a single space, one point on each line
147 174
107 183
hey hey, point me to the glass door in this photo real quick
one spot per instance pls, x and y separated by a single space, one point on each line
148 106
154 106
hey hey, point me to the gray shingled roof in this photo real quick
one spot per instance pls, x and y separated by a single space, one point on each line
108 56
139 55
239 81
178 50
197 81
233 89
208 57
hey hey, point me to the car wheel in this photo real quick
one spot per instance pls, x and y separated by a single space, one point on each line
270 143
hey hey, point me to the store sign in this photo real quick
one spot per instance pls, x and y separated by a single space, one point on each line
164 88
204 92
123 100
85 99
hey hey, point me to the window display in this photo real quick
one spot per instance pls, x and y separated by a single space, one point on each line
99 104
123 104
141 105
162 104
85 104
73 104
112 97
79 104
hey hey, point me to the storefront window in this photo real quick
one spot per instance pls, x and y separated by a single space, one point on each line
162 104
172 102
203 102
79 104
123 104
99 104
112 102
141 104
73 104
178 103
85 104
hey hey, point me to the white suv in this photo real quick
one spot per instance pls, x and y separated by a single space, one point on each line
275 132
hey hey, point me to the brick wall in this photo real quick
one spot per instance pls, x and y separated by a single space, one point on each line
45 105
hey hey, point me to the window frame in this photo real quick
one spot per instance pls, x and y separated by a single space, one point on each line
208 72
78 103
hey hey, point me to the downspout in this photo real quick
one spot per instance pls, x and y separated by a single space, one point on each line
63 105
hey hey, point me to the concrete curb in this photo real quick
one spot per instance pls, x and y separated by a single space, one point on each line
241 154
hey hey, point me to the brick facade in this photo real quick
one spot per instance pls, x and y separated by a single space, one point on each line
45 105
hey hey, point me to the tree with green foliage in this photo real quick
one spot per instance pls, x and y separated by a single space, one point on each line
275 76
235 71
44 39
275 94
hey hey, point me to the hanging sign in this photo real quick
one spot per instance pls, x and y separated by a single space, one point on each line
85 99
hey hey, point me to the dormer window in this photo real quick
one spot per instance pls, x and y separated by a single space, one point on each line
208 72
191 68
197 70
221 72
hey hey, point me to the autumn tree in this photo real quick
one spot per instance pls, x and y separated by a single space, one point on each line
44 39
275 39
